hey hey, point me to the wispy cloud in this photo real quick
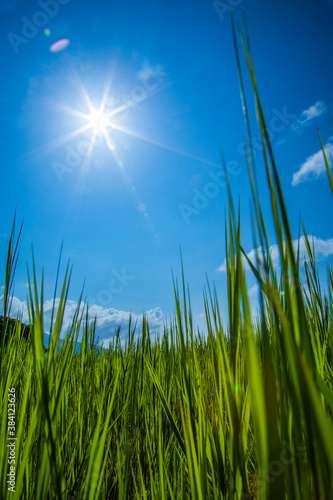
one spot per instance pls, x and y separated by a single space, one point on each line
314 166
323 249
108 319
307 115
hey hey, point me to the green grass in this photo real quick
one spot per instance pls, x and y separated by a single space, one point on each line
245 412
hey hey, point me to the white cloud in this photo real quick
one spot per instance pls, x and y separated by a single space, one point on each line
253 291
274 250
307 115
18 308
314 166
107 319
323 248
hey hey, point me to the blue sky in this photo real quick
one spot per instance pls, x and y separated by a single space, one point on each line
167 75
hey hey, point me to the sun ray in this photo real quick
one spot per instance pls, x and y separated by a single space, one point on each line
100 119
159 144
51 146
127 104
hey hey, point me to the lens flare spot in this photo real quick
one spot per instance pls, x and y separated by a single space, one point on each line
60 45
142 207
47 32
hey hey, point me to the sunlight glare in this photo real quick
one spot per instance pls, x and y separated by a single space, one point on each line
98 119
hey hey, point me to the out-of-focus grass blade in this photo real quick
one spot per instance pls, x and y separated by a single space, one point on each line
328 168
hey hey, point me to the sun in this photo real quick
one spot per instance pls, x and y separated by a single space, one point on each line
99 122
98 119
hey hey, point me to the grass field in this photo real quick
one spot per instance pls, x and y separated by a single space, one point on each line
244 412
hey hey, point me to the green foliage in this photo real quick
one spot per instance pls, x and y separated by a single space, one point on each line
244 412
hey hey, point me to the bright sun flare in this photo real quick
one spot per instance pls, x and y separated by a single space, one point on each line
97 119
